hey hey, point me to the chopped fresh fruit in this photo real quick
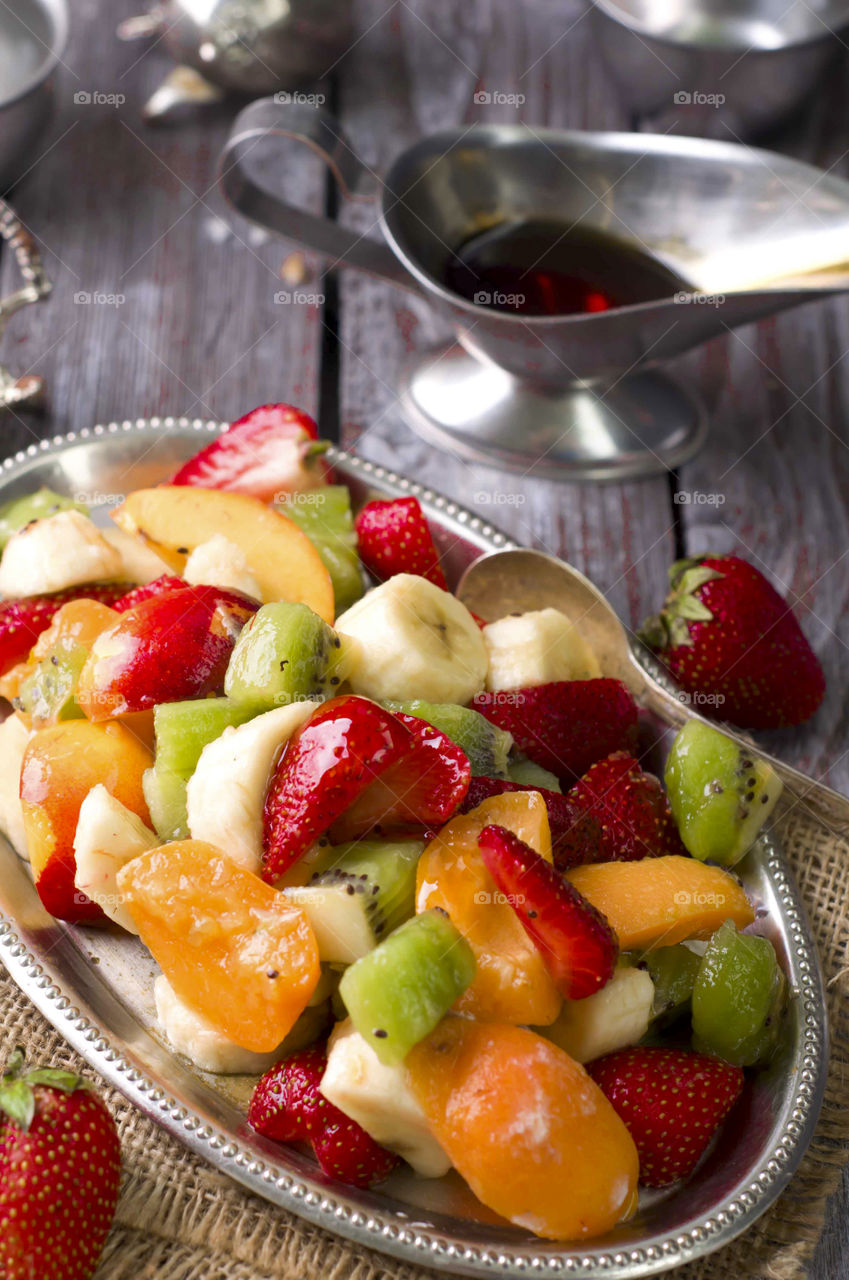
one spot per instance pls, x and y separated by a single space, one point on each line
393 537
328 764
139 565
18 512
576 942
288 1106
657 902
673 971
14 736
23 621
225 797
721 794
568 725
218 562
398 993
174 520
170 647
672 1102
60 1172
528 774
364 891
576 836
271 451
527 649
182 730
421 790
512 983
380 1099
157 587
285 653
61 765
616 1016
47 693
486 746
527 1128
108 835
324 515
414 640
635 818
739 998
57 552
734 645
231 947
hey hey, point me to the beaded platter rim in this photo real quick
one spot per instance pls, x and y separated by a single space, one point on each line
386 1231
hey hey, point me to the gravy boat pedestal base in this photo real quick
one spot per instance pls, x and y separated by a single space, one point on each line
642 424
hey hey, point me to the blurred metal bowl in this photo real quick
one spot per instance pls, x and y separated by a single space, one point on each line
33 35
717 68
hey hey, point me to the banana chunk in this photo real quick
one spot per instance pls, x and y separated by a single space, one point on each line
410 639
14 736
55 552
218 562
226 792
190 1034
108 836
528 649
380 1099
139 564
611 1019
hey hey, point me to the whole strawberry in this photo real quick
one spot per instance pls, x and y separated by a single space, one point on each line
734 645
60 1169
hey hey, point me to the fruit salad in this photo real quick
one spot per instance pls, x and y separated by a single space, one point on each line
404 865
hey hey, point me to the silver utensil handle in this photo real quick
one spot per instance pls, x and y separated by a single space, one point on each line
820 801
318 130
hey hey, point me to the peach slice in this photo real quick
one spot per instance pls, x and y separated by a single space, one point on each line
174 519
234 949
512 983
532 1134
660 901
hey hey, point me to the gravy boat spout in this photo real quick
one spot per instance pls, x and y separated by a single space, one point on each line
575 395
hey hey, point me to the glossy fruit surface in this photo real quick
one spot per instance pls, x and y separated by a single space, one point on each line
739 998
629 803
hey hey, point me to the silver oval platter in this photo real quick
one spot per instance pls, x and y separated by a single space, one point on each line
96 989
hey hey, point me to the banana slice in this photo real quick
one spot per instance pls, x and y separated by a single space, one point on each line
410 639
14 736
108 836
380 1099
55 552
138 563
226 792
528 649
613 1018
218 562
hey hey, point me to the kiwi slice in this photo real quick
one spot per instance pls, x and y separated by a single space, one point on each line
324 515
360 896
182 731
285 653
398 993
48 692
17 513
486 746
527 774
720 794
739 998
673 971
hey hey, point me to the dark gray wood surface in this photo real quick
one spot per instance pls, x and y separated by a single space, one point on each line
127 210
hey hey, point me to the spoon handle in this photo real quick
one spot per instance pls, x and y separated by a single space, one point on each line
824 804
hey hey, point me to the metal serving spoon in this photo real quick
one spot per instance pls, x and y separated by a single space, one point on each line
518 581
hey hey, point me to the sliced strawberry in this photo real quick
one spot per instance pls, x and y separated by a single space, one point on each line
167 582
630 805
575 940
287 1106
272 451
327 765
576 836
567 725
672 1101
394 538
22 621
423 789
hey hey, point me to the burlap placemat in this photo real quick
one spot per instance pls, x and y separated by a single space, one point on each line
180 1220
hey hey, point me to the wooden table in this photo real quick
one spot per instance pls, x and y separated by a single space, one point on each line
130 212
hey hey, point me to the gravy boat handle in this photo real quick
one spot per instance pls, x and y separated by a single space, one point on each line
320 131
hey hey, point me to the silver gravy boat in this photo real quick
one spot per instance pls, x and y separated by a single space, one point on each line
747 232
